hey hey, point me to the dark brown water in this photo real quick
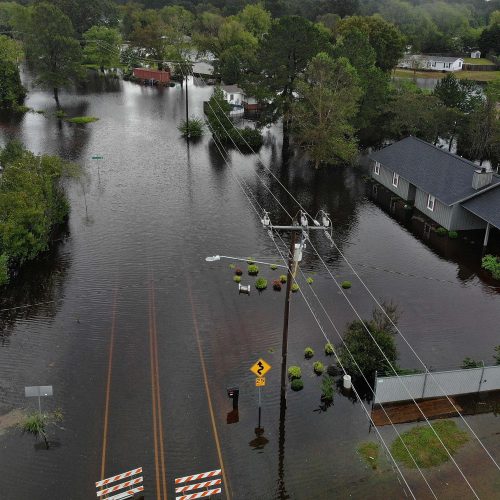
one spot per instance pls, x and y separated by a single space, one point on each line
155 211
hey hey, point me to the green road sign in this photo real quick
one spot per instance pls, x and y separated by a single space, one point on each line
98 157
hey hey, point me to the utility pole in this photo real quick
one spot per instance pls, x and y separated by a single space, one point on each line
284 344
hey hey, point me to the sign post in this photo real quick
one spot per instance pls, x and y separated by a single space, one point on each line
260 368
98 158
37 391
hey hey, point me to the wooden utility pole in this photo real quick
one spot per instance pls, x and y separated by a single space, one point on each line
187 108
284 346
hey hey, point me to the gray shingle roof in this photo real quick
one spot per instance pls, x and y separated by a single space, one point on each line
446 176
486 206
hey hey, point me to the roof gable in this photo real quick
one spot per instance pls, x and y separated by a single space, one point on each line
446 176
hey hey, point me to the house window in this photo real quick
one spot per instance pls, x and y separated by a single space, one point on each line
430 202
376 169
231 96
395 179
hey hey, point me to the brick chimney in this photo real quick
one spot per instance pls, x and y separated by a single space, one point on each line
481 178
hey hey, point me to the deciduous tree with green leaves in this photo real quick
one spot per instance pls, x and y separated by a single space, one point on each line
324 113
102 47
53 50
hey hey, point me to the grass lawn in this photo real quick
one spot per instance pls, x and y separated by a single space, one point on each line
479 76
482 61
82 119
369 451
425 447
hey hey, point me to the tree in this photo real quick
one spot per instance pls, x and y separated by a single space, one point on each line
53 49
323 115
147 37
255 19
362 355
284 53
10 50
85 14
489 40
12 92
497 355
218 116
384 37
464 95
102 47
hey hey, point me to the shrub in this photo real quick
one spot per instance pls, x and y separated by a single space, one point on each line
294 372
253 270
297 384
283 278
497 355
83 119
261 283
318 367
60 113
236 278
329 349
273 267
310 281
277 285
346 284
441 231
193 130
238 271
492 264
470 363
250 260
452 234
327 388
295 287
247 139
308 353
232 266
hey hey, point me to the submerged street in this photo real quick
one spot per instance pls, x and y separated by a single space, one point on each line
141 337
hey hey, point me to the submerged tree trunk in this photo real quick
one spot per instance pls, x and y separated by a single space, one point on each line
56 97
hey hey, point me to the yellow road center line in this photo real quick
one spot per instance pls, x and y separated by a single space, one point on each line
207 389
108 386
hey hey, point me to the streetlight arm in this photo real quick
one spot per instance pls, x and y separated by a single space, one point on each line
219 257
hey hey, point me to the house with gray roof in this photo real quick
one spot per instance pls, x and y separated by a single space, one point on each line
448 189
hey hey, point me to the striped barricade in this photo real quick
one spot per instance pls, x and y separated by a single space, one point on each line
187 488
132 485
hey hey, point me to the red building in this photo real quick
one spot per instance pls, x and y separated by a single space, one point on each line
153 75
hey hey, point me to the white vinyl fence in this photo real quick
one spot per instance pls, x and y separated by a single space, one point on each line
436 384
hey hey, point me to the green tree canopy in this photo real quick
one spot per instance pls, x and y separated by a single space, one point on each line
463 95
12 92
255 19
53 50
10 50
384 37
324 114
102 46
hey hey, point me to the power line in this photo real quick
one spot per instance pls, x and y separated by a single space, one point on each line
357 395
384 312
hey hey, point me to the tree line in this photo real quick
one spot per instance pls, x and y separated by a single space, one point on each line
326 74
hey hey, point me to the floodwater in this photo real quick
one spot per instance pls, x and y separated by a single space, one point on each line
140 336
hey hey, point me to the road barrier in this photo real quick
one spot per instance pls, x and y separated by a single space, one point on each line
131 484
204 484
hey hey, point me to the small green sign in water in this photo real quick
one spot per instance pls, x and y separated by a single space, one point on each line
98 157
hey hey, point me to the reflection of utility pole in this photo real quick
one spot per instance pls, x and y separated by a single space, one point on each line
187 108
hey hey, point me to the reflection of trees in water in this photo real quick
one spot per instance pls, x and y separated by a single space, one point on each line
96 81
37 283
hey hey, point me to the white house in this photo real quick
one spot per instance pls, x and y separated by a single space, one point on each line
431 63
476 54
236 96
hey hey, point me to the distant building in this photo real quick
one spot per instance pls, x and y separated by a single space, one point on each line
154 76
431 63
236 96
475 54
448 189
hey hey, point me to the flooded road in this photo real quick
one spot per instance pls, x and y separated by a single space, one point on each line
141 337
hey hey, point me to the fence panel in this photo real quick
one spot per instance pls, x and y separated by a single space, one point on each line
437 384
